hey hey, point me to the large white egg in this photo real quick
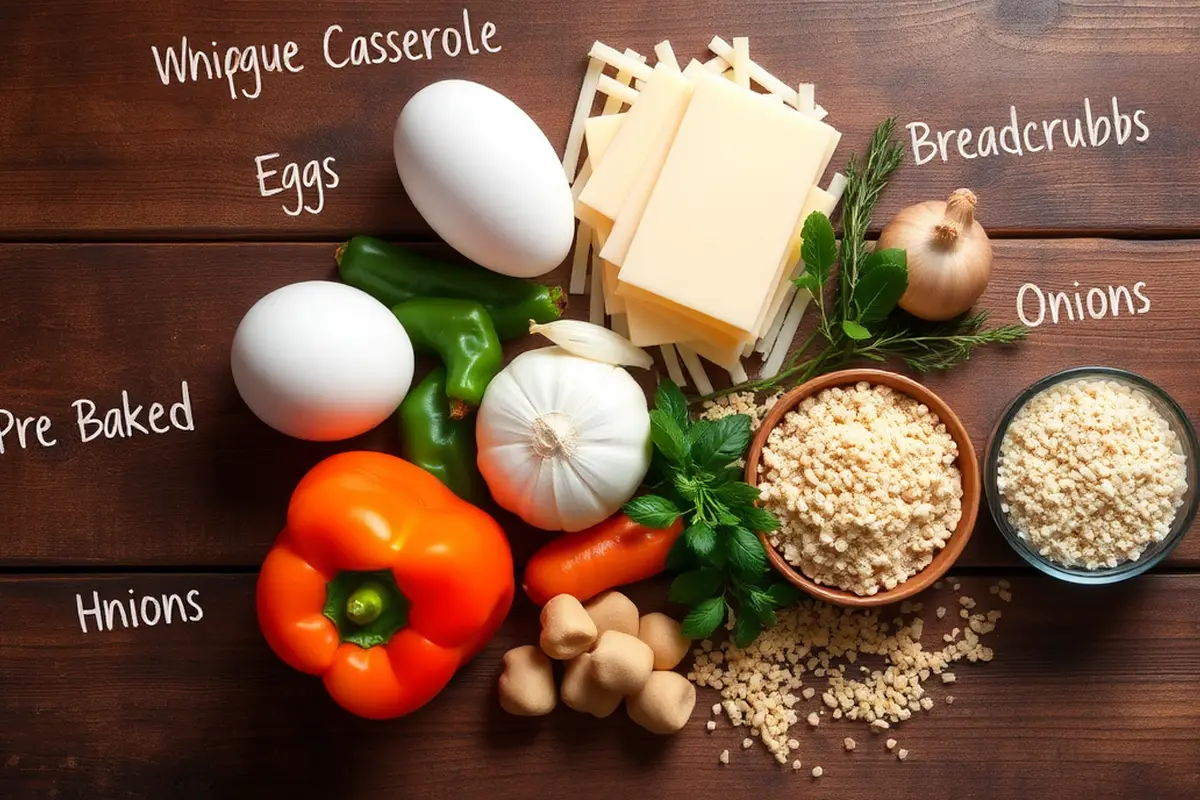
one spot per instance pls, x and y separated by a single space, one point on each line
321 361
485 178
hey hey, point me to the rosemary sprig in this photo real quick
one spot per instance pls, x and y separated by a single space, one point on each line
864 184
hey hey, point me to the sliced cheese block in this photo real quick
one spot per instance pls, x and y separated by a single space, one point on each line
598 132
593 219
725 358
818 200
627 222
651 324
613 303
723 262
663 99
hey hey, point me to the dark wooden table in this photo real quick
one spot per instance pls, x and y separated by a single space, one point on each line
133 236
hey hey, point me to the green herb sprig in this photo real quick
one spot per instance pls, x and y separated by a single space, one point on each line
721 562
862 323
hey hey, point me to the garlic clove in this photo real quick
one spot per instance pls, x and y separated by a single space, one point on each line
593 342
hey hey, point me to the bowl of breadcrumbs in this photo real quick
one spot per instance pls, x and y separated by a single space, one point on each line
875 483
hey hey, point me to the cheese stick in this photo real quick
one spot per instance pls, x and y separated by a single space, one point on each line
665 54
787 332
671 359
759 75
617 90
621 61
583 110
695 369
579 263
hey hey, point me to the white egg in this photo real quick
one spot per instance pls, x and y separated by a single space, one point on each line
321 361
485 178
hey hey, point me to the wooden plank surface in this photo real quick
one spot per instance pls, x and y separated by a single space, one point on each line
1091 693
143 319
94 145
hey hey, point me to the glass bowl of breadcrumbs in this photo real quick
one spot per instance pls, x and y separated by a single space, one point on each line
1091 475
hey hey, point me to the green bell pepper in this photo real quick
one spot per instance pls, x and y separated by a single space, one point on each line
437 443
394 274
462 334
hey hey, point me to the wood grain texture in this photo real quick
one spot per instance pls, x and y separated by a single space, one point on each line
1091 694
88 321
93 145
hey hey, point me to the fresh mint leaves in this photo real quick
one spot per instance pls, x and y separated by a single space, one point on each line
721 562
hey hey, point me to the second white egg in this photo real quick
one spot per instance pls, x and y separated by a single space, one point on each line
485 178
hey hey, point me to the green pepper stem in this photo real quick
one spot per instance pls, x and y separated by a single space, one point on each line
365 605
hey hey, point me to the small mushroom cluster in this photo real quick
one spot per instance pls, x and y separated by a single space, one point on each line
611 654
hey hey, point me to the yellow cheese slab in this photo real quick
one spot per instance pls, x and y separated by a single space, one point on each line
598 132
651 324
727 358
818 200
593 220
722 261
627 222
663 98
613 303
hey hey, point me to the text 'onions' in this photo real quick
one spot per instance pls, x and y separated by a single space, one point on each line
949 255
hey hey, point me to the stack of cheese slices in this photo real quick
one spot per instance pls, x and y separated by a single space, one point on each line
690 201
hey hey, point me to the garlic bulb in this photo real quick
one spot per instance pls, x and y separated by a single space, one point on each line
949 255
564 441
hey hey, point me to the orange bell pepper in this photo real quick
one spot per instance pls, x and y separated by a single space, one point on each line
383 583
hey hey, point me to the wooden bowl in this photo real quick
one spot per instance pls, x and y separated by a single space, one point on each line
968 465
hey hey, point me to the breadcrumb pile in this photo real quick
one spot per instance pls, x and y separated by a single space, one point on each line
740 403
864 482
1091 474
763 687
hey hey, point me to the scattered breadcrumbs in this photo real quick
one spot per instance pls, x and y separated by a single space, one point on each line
740 403
724 757
761 685
817 772
746 743
902 755
711 726
796 765
716 709
949 699
1091 474
864 483
848 743
941 612
891 744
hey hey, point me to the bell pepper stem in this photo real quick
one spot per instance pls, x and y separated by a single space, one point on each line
365 604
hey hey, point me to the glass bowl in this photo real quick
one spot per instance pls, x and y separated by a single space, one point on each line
1155 552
